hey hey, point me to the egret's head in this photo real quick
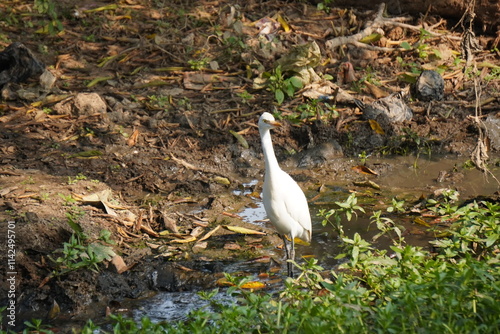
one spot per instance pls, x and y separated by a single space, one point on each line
267 121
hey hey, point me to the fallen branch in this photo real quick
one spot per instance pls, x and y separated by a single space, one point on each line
375 26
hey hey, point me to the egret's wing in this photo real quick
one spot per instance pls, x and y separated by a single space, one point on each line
295 202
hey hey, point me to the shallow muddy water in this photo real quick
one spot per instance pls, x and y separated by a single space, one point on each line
402 180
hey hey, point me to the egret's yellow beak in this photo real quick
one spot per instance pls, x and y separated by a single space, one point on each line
273 123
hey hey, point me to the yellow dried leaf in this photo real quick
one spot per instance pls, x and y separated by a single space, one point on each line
54 311
242 230
253 285
184 241
100 9
299 241
223 282
372 38
283 23
222 180
376 127
420 221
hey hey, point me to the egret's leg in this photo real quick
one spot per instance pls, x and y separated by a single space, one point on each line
292 257
287 252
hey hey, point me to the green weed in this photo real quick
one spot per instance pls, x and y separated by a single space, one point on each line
79 252
281 87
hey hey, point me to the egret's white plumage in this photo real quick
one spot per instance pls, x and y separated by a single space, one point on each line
284 201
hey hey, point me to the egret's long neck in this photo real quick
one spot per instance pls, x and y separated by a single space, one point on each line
269 157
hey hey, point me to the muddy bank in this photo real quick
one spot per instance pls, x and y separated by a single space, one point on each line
159 132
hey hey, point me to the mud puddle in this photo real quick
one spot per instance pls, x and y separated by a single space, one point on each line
408 179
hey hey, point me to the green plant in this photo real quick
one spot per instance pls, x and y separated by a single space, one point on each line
281 86
424 50
48 7
43 196
29 180
325 6
245 96
348 208
313 108
234 46
475 231
445 204
36 326
397 206
405 289
407 143
198 64
78 177
386 226
363 157
68 199
79 252
160 101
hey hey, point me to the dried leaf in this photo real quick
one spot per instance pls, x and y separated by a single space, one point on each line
54 310
87 154
283 23
299 241
101 197
97 80
372 38
376 127
367 183
209 234
119 264
222 180
253 285
240 138
420 221
242 230
223 282
169 223
364 170
184 241
133 138
197 231
100 9
376 91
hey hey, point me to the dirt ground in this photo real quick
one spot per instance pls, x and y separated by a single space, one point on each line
147 102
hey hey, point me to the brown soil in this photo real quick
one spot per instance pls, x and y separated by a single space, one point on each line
163 145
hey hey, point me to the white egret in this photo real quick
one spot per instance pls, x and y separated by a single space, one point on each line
284 201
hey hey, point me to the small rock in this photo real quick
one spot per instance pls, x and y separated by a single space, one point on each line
89 104
47 80
393 108
429 86
28 94
492 125
18 64
319 155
